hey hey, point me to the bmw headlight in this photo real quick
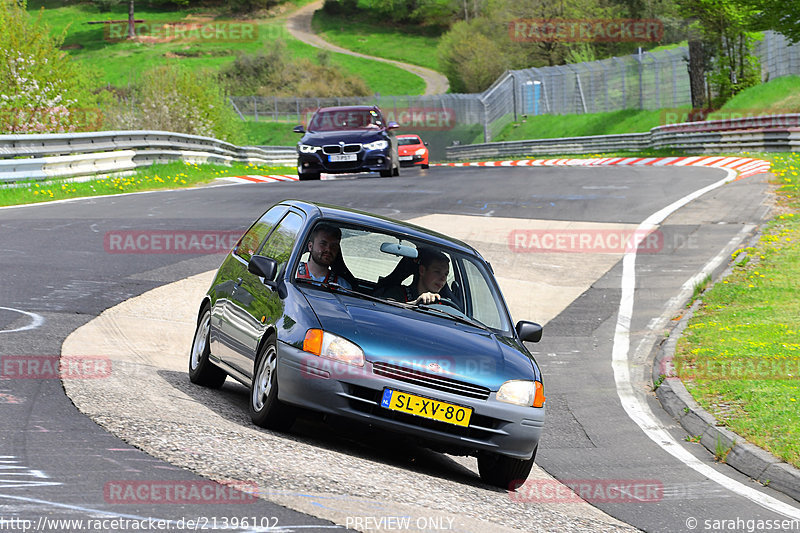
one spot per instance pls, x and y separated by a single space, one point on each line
518 392
421 151
332 346
377 145
308 149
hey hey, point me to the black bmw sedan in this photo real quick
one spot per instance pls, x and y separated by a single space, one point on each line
347 139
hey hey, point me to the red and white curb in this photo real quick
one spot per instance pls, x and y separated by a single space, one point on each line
745 166
254 178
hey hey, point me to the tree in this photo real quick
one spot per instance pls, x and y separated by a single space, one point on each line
777 15
722 27
42 90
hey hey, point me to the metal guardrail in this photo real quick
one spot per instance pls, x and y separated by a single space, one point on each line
776 133
44 156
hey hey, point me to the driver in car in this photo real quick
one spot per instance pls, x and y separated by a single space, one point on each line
324 250
434 267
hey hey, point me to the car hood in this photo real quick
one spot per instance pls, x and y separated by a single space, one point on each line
413 339
409 148
347 136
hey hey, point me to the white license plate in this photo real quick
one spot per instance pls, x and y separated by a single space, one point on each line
406 157
342 157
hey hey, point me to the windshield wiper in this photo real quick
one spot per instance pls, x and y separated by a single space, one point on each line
344 290
464 319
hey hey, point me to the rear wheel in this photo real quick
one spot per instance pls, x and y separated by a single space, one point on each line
201 370
265 408
503 471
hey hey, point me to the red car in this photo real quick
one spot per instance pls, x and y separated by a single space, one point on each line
412 150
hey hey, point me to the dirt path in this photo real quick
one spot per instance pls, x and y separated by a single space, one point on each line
299 25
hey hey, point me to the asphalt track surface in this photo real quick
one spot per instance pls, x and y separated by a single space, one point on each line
56 463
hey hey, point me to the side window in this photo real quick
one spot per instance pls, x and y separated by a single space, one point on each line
253 238
280 244
482 302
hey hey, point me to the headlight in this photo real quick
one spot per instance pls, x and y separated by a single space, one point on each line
332 346
421 151
308 149
377 145
527 393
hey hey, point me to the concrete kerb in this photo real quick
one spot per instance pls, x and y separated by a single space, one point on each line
727 446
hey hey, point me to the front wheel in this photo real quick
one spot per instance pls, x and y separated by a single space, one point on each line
201 370
265 408
308 176
503 471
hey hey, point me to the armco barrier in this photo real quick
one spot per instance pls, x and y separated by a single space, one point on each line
45 156
775 133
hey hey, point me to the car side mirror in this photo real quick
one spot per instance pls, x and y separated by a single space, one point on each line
529 331
299 129
392 125
265 267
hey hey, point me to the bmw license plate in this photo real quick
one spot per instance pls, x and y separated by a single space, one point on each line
426 408
338 158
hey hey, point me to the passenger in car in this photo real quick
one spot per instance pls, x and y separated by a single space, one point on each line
324 250
429 280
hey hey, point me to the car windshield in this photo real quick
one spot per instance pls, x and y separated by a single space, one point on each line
346 119
396 269
404 141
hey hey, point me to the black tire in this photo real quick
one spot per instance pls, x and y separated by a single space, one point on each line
503 471
308 176
425 166
386 173
396 171
265 408
201 370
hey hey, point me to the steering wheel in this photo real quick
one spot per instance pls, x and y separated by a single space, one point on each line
447 301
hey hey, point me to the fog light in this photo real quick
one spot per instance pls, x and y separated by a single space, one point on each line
380 160
305 164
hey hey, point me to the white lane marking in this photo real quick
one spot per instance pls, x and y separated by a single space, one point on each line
111 196
636 406
36 320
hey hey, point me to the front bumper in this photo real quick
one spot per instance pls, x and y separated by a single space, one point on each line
366 161
411 160
335 388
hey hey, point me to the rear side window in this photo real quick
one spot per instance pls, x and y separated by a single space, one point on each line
253 238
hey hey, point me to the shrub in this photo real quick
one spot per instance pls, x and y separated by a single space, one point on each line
42 90
275 73
471 60
172 98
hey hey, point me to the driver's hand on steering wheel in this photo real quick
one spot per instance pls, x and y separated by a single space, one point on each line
426 298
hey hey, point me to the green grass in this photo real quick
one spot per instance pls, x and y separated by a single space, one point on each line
740 354
781 95
271 134
554 126
407 43
161 176
120 63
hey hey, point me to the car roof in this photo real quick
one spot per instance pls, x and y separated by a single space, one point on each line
348 108
353 216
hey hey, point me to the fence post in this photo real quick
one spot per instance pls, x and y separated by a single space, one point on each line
255 108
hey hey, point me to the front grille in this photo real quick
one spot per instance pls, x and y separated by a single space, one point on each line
431 381
339 149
